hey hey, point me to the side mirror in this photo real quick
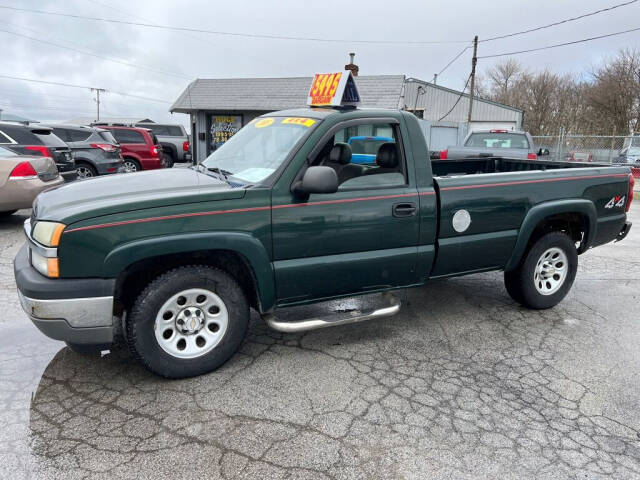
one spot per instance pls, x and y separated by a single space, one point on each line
543 152
317 180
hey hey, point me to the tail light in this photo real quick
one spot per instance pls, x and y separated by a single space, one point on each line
185 146
532 156
630 194
23 171
153 150
444 154
107 147
41 149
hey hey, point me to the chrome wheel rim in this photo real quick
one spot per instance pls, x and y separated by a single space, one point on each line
191 323
84 172
130 167
551 271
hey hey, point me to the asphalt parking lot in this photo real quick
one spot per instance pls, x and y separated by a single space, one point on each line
462 384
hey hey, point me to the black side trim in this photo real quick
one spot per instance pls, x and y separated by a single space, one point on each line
34 285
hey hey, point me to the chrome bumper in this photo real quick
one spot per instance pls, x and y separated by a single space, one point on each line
77 312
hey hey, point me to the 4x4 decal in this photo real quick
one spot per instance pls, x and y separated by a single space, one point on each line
617 201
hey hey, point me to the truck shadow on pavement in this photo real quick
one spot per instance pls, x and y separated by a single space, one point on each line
462 383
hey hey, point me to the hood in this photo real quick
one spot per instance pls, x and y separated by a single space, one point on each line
126 192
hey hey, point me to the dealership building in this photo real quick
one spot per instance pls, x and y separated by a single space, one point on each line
220 107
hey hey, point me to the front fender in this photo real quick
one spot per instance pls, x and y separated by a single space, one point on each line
244 244
543 210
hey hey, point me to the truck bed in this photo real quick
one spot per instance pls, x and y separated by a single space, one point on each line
497 193
473 166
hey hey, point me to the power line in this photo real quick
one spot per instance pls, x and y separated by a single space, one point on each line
62 84
535 29
560 44
457 101
233 34
84 52
453 60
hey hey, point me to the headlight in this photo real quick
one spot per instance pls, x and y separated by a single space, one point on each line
48 233
48 267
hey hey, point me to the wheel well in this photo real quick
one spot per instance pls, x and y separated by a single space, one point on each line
576 225
170 149
139 274
85 161
127 157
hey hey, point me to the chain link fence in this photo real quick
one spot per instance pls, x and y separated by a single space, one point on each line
586 148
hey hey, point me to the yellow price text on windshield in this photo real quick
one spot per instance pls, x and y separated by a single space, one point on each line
305 122
265 122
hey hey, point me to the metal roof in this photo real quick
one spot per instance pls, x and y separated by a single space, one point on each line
437 102
269 94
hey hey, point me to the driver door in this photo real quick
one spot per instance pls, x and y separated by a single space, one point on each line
356 240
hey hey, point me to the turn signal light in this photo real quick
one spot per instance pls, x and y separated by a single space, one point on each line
185 146
22 171
107 147
53 267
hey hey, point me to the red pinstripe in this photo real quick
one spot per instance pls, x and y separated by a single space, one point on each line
239 210
544 180
332 202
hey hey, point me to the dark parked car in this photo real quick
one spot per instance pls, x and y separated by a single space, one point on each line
140 148
38 140
95 150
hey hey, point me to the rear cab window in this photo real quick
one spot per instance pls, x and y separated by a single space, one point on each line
497 140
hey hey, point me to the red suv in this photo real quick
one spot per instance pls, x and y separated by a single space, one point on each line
140 148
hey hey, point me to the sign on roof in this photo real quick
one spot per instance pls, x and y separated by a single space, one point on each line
333 90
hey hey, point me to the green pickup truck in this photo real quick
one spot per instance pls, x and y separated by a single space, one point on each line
279 216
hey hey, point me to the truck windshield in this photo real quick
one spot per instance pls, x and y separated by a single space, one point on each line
259 148
497 140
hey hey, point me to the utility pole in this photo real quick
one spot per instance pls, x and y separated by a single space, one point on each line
0 114
474 60
98 90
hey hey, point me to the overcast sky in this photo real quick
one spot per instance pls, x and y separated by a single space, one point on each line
185 56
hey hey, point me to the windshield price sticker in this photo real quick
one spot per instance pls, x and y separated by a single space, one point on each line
265 122
305 122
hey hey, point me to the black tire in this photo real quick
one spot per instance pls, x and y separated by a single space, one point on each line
169 159
7 213
135 165
89 171
521 284
140 324
87 349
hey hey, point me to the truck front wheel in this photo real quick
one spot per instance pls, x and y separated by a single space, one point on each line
545 274
188 321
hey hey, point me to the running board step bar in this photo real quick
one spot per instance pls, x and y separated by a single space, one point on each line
393 307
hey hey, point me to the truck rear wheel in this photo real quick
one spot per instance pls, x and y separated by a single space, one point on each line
545 274
188 321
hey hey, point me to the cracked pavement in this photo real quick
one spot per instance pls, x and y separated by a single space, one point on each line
461 384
